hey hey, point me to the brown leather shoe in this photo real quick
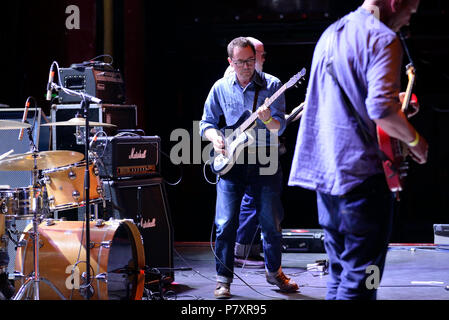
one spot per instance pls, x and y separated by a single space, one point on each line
223 290
284 283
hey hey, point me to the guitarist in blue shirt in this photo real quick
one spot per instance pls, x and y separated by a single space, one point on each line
231 97
248 244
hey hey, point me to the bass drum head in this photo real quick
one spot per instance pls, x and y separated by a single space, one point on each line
117 260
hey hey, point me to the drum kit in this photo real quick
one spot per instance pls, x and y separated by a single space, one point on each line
51 251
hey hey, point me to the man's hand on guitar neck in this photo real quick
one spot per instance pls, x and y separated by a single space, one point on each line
264 114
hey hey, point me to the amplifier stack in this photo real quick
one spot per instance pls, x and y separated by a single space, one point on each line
134 189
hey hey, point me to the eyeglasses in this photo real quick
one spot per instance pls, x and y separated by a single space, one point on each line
250 62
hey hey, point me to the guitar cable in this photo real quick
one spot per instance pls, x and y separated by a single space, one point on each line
205 175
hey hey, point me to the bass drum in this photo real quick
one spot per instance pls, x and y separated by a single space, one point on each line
117 259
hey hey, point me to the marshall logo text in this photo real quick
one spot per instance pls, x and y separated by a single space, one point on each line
148 224
137 155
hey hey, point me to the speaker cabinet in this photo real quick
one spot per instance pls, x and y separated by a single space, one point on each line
145 202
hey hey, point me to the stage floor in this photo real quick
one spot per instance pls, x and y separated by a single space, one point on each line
412 272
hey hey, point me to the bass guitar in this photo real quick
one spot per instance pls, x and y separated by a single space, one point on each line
395 166
238 136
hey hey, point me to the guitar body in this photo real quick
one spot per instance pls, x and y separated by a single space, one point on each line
221 164
395 165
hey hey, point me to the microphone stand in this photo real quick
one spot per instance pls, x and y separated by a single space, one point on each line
87 287
86 290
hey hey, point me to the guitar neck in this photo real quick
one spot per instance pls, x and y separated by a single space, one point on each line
268 103
408 92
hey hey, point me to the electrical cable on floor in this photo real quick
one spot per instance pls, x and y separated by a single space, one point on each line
193 269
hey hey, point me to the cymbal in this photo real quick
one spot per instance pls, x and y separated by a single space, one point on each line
78 122
45 160
9 124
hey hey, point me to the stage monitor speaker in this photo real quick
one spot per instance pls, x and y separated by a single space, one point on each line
145 202
303 240
9 141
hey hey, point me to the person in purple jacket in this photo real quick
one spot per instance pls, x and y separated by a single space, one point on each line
363 53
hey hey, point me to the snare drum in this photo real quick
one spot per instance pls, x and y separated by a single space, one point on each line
65 186
117 259
20 203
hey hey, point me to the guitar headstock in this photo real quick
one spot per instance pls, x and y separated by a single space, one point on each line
410 70
296 78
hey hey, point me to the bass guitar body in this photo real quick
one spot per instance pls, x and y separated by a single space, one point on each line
395 167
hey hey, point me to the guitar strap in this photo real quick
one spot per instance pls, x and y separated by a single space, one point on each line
256 95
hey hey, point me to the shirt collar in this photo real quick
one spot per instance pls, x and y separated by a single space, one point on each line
257 79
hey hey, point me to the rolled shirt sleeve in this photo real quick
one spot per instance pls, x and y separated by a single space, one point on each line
383 78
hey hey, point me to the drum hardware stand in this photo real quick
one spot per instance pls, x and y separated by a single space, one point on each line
139 217
35 278
161 281
86 290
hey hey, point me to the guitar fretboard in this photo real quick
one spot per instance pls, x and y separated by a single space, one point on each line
408 92
253 116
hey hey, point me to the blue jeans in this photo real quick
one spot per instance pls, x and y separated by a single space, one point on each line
357 228
248 233
266 192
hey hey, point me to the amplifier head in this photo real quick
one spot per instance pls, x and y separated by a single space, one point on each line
128 156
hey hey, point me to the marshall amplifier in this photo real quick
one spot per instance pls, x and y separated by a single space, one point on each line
128 156
98 80
145 201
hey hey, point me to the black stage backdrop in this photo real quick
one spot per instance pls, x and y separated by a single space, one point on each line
171 52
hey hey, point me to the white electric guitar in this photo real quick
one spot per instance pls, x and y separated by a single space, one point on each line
238 136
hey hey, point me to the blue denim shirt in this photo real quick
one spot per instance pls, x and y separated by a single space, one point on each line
229 99
330 156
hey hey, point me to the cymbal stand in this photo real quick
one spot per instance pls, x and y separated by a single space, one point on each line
35 278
